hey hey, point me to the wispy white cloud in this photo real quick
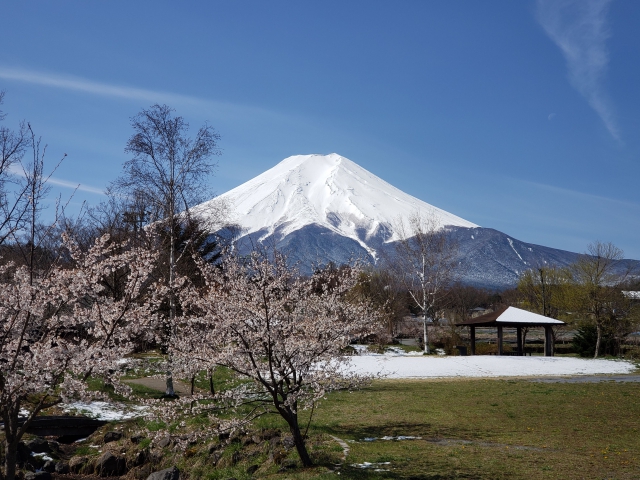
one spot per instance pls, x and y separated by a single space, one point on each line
16 170
227 110
79 186
79 84
580 29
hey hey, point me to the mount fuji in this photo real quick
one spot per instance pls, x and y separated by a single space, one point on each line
326 208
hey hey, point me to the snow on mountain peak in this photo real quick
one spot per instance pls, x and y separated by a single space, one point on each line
327 190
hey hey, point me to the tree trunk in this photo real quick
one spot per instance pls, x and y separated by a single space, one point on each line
426 335
170 392
211 388
599 330
10 459
301 448
299 441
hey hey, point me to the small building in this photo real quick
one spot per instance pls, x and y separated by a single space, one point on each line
512 317
631 295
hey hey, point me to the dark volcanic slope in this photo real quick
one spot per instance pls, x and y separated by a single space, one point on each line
489 258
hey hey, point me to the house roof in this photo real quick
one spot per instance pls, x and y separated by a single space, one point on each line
511 317
631 294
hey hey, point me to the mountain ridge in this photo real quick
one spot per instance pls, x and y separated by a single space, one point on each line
326 208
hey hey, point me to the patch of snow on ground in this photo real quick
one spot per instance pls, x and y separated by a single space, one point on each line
43 456
397 364
374 466
399 438
105 411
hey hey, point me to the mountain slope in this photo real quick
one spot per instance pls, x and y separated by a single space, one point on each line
328 191
326 208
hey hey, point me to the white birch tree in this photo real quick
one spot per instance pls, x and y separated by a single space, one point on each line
426 264
168 171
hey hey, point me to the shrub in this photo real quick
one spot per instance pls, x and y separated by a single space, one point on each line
584 342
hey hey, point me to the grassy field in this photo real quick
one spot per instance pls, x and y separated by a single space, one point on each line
483 429
474 428
468 429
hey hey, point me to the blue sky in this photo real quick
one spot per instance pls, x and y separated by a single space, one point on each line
520 116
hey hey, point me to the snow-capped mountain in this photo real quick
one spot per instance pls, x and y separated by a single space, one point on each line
326 208
326 191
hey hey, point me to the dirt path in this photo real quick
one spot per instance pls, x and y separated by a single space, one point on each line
160 384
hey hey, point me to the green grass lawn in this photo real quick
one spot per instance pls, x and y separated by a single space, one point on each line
485 429
476 429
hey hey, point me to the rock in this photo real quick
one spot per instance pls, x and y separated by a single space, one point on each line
213 447
49 466
110 465
38 476
137 438
140 458
38 445
112 437
257 439
274 442
62 468
155 457
168 474
246 441
269 433
215 457
164 442
76 464
288 465
35 463
253 469
140 473
288 442
278 455
54 446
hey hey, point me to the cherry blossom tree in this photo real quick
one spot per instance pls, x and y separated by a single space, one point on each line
285 333
57 327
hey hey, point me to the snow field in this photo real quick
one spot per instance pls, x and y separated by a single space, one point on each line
428 366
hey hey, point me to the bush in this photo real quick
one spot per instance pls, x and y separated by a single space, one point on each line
584 342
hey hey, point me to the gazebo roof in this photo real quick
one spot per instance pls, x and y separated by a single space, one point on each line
511 317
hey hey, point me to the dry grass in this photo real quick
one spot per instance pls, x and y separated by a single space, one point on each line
489 429
469 429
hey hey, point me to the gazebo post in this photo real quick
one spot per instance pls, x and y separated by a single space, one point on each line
472 334
499 339
519 341
548 341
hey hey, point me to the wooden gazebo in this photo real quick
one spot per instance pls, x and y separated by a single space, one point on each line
512 317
